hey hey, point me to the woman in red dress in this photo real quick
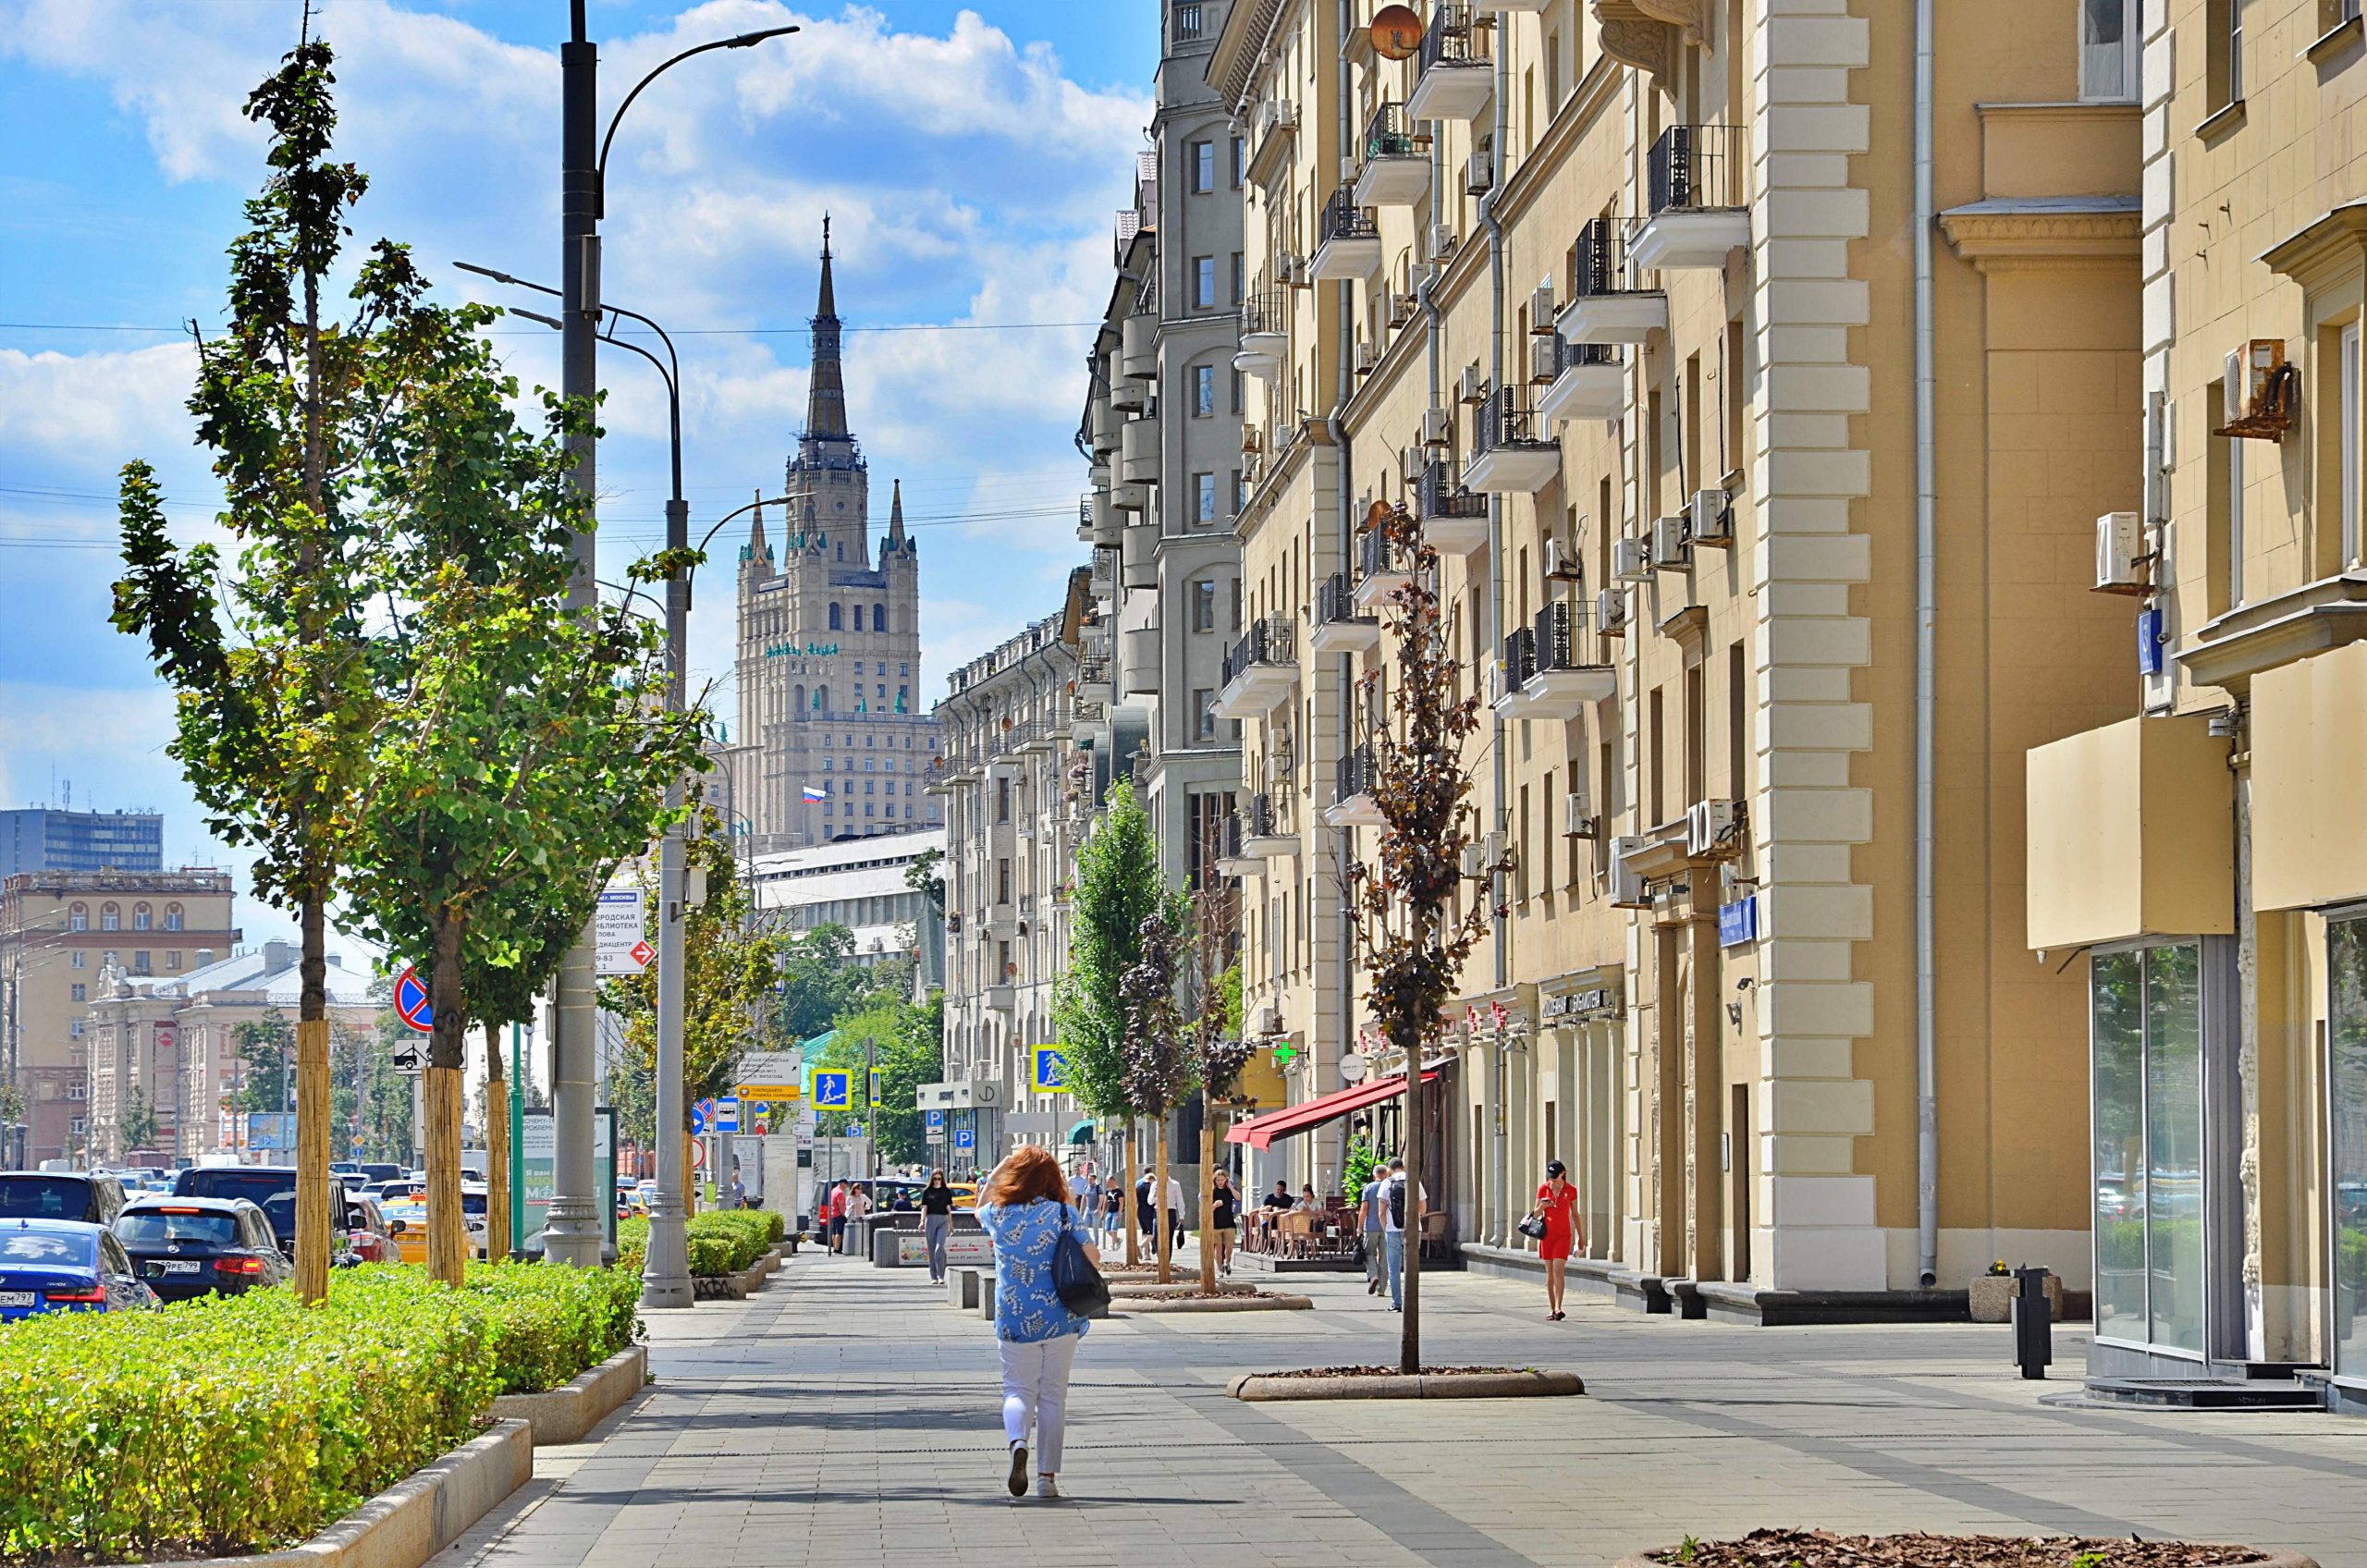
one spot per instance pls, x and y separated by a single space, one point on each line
1557 1202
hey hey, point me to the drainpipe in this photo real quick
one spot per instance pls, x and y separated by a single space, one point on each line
1498 1226
1927 544
1342 838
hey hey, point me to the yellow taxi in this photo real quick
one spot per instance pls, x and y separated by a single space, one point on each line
407 1224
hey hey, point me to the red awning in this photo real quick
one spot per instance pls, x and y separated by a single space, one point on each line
1259 1132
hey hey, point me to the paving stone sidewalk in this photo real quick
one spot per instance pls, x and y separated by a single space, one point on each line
845 1416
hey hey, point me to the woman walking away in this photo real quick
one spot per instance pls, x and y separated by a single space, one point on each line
1223 1201
936 1223
1025 1209
1557 1205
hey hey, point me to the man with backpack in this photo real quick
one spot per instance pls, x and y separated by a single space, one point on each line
1370 1204
1392 1231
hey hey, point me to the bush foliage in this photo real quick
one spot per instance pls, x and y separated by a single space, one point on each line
246 1423
720 1241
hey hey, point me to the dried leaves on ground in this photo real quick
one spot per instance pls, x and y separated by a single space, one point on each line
1822 1548
1392 1372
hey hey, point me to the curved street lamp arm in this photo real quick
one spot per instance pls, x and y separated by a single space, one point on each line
600 177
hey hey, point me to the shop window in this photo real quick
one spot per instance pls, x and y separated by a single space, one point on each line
2347 1097
2147 1059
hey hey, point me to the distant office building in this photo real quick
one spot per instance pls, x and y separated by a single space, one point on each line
40 839
860 884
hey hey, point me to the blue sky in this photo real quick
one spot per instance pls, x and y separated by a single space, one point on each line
971 156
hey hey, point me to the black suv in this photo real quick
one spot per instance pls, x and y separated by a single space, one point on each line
60 1195
186 1247
271 1188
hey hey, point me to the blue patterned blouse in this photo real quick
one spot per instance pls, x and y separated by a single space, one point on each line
1026 1306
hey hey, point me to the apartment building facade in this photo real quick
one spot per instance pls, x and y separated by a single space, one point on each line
1026 761
60 933
1752 446
2199 862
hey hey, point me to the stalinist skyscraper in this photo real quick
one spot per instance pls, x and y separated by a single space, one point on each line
833 733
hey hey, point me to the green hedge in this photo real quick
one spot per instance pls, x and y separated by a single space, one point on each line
720 1241
245 1423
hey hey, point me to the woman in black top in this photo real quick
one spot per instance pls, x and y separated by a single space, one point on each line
1224 1201
936 1223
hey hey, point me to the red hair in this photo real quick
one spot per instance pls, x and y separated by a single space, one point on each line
1029 1174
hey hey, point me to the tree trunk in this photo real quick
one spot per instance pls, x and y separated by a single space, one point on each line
447 1225
1159 1210
1207 1192
496 1149
1409 1346
1126 1184
315 1219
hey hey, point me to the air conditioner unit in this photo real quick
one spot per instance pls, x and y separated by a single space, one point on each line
1713 516
1560 567
2258 390
1480 855
1671 547
1438 426
1444 240
1473 388
1544 361
1628 889
1401 309
1411 461
1711 828
1478 174
2120 553
1291 271
1611 612
1576 821
1367 355
1540 308
1269 1019
1631 561
1285 114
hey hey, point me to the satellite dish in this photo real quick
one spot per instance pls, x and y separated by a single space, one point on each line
1396 33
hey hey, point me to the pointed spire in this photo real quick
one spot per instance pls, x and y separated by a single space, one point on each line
825 391
756 548
896 516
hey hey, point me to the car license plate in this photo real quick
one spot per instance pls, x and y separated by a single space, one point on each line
16 1298
181 1265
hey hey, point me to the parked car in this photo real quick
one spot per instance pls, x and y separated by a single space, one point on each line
380 1170
365 1229
271 1188
64 1266
85 1195
395 1189
407 1223
185 1247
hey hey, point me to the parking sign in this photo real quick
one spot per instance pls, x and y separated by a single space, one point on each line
964 1138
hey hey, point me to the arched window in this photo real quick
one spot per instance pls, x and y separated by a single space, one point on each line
142 917
110 918
836 619
79 918
822 699
172 917
801 705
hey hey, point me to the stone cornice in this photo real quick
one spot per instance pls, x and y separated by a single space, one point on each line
1633 36
2045 234
2335 243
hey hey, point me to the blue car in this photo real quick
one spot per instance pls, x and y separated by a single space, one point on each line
64 1266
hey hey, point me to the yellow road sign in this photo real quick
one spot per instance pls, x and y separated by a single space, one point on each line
770 1092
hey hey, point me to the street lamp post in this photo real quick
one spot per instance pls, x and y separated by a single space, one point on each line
574 1230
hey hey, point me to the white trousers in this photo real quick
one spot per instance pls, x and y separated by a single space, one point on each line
1035 1390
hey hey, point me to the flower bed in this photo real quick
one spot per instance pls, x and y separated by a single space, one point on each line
244 1423
1822 1548
720 1241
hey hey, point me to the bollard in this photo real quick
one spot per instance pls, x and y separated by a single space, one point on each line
2033 1323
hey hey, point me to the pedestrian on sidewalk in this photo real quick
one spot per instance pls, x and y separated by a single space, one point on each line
1557 1203
858 1203
1175 1210
1025 1209
1222 1202
834 1216
1146 1216
1371 1202
936 1223
1113 1212
1394 1210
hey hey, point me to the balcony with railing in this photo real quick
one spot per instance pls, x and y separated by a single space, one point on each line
1265 331
1698 200
1354 803
1396 167
1347 238
1512 669
1093 678
1269 831
1227 852
1457 76
1562 677
1454 519
1605 306
1589 381
1260 670
1383 567
1338 627
1513 451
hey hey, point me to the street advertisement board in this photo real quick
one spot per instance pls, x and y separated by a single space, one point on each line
538 1141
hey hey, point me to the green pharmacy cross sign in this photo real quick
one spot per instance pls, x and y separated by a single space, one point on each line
1283 1055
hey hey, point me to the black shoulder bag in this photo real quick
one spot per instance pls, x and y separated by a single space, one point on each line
1081 1289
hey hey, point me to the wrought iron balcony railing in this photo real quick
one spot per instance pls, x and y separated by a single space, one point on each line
1451 38
1508 419
1439 493
1600 263
1357 774
1554 637
1343 219
1269 641
1696 165
1520 659
1388 134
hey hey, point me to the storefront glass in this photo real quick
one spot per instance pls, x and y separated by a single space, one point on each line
2147 1052
2346 1095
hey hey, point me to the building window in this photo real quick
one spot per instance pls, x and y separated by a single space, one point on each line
1240 161
172 917
2108 30
82 992
78 918
1204 497
879 618
1234 406
1240 278
141 963
1187 18
2223 53
1204 709
1204 283
2147 1029
1204 391
74 1028
1204 605
2347 449
142 917
110 918
79 961
173 959
1204 168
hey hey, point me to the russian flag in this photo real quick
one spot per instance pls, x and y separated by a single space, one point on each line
814 793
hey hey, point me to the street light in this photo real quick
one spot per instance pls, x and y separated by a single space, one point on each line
574 1230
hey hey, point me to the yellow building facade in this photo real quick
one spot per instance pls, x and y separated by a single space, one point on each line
2200 861
1764 535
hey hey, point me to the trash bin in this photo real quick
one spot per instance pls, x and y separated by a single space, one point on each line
2033 1323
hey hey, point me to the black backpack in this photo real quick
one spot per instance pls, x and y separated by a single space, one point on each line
1397 1200
1079 1284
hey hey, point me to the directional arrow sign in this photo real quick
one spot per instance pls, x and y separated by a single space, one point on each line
622 930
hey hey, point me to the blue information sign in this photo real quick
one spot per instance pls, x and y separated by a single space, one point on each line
963 1138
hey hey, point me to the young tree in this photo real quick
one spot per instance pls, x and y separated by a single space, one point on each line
1218 1052
1160 1055
506 994
135 1126
1413 933
277 704
1118 885
264 1046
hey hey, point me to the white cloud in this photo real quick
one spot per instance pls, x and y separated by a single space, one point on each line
81 404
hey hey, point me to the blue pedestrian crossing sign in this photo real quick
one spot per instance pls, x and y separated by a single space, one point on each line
963 1138
875 1088
1047 1077
833 1091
